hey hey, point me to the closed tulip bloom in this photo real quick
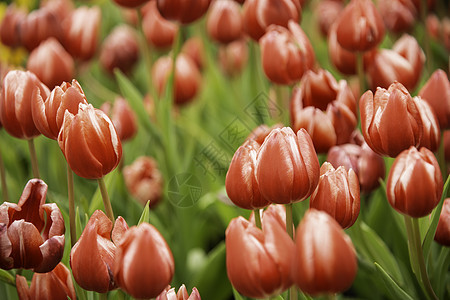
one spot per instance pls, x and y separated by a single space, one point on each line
15 103
442 235
120 50
130 3
158 31
287 166
92 257
224 22
144 181
436 92
360 26
240 183
10 26
144 264
431 137
48 112
260 133
286 53
89 142
327 12
259 15
398 15
233 57
259 261
343 60
337 194
81 32
54 285
414 185
51 63
123 118
183 11
182 294
38 26
390 120
187 81
31 231
404 63
193 48
324 257
60 8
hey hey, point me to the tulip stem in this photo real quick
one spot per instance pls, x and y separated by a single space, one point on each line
426 40
289 221
145 51
3 179
102 296
106 202
416 256
256 212
73 229
34 164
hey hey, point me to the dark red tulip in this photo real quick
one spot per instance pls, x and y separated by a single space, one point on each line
224 22
183 11
442 235
436 92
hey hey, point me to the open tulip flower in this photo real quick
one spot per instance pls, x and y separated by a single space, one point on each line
32 231
182 294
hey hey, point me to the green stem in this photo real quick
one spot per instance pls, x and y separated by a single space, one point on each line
145 50
426 38
289 220
257 218
3 180
105 197
102 296
73 229
33 157
416 256
280 102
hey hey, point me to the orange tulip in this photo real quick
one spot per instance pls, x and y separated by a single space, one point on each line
183 11
442 235
158 31
123 118
260 133
436 92
224 22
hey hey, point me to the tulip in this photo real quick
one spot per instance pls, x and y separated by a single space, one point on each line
81 32
337 194
10 24
433 26
120 50
15 103
414 185
436 92
123 118
324 258
183 11
224 22
31 232
431 137
260 133
343 60
404 63
48 113
442 235
187 77
259 15
158 31
169 294
286 53
360 26
54 285
130 3
390 120
259 261
144 264
144 181
92 257
327 12
51 63
240 183
398 15
60 8
287 168
89 142
233 57
193 48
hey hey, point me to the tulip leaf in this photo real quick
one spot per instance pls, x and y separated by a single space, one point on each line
237 296
429 237
7 277
145 216
391 286
78 227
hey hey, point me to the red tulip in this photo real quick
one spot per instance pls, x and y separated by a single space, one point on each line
260 133
327 12
60 8
123 118
398 15
193 48
183 11
158 31
38 26
10 24
224 22
431 137
436 92
130 3
31 232
170 294
233 57
442 235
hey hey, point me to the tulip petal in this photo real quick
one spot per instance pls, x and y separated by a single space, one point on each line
25 240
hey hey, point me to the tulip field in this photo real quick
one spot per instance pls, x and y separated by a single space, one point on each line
224 149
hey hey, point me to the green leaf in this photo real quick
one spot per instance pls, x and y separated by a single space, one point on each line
429 237
145 216
237 296
391 286
7 277
78 226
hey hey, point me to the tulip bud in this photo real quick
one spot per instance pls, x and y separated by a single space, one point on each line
15 103
324 257
240 183
169 294
144 264
327 12
10 24
286 54
224 23
81 32
31 231
433 26
293 159
60 8
442 235
89 142
431 137
259 15
436 92
120 50
260 133
144 180
259 261
130 3
398 15
343 60
360 26
123 118
233 57
193 48
187 79
92 256
54 285
158 31
51 63
38 26
337 194
390 120
414 185
183 11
